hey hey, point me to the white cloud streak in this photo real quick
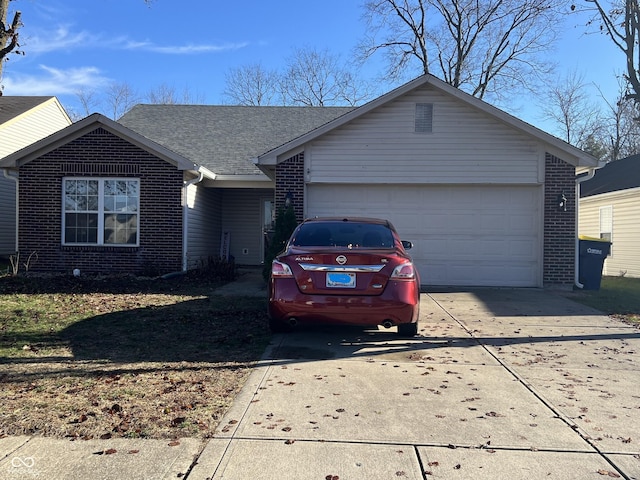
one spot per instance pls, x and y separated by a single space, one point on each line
64 39
54 81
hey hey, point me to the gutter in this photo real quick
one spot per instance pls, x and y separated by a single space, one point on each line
14 176
576 261
185 215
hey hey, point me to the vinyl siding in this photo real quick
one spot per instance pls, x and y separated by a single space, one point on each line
15 134
205 221
465 146
241 218
32 126
625 256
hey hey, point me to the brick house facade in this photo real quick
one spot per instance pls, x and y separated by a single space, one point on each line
101 154
559 224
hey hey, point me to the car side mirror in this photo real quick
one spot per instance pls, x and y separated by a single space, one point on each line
407 245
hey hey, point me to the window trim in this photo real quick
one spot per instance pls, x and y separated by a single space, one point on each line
607 221
100 213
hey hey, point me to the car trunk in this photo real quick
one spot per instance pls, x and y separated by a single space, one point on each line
340 273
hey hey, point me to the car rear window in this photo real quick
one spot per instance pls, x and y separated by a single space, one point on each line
343 234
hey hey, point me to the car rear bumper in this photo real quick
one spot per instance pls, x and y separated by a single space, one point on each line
397 305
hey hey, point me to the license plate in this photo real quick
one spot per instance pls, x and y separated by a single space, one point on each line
341 280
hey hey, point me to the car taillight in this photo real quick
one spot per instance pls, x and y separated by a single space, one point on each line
405 270
279 269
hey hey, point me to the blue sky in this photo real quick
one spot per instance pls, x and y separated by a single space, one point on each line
190 44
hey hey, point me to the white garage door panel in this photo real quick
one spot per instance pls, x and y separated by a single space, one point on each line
462 235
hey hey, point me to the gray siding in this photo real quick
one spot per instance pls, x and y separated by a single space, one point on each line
242 219
625 255
205 222
7 216
466 146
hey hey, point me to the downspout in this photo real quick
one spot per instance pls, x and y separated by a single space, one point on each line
185 216
576 261
15 178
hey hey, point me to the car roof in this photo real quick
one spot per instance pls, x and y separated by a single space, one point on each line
377 221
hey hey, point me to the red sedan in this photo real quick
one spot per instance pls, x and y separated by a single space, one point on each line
351 271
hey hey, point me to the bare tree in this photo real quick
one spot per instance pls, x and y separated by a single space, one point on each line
311 77
620 21
119 98
165 94
251 85
621 130
318 78
570 107
8 33
483 47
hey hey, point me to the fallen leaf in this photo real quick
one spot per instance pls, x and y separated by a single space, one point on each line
175 443
289 442
607 473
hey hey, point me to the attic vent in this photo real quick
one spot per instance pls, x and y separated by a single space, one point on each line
100 168
424 117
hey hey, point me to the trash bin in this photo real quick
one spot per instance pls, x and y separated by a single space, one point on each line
593 252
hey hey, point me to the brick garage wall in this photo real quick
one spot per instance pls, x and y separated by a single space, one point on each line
101 154
290 178
559 226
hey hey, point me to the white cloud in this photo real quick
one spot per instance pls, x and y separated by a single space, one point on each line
63 38
54 81
189 49
60 39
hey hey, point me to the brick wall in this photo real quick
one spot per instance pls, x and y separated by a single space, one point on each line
101 154
559 226
290 178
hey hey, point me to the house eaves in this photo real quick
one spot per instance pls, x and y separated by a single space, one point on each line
555 146
89 124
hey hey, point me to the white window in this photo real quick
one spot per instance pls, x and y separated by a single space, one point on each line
100 211
606 224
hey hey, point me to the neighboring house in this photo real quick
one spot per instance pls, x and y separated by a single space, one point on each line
610 209
23 120
476 190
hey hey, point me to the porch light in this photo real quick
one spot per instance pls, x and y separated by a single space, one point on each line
562 202
288 199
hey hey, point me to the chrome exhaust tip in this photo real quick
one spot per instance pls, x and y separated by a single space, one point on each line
387 324
293 322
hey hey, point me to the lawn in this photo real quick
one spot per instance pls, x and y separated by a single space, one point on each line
124 357
618 297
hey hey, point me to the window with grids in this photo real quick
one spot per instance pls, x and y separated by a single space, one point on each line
100 211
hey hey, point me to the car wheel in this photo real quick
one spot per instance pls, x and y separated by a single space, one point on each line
408 329
276 326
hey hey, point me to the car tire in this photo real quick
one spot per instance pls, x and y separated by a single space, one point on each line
408 329
276 326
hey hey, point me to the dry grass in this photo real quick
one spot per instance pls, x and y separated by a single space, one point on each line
123 357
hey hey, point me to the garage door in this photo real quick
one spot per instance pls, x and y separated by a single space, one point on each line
462 235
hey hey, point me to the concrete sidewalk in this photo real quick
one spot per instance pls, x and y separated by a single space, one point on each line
500 384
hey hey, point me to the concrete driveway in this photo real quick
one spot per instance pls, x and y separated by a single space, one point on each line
501 383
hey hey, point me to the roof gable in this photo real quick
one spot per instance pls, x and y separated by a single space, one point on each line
614 176
84 126
225 138
12 107
554 145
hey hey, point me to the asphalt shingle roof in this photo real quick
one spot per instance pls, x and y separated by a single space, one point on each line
225 138
617 175
11 107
